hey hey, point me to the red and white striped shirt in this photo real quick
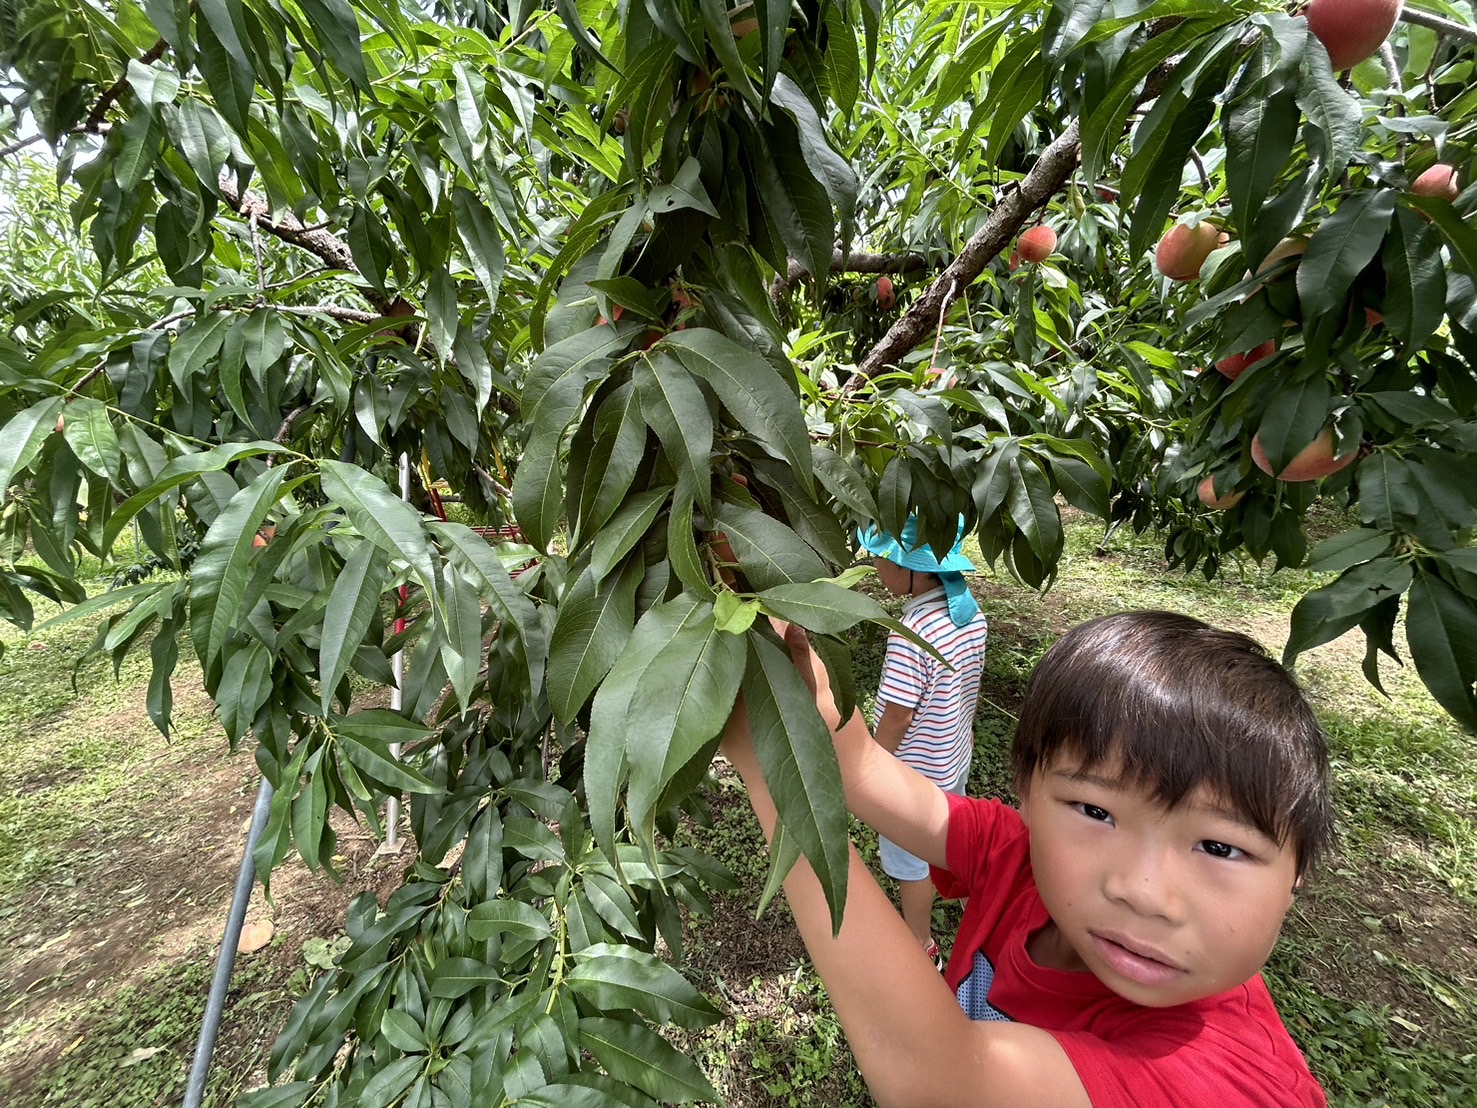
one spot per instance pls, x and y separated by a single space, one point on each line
940 739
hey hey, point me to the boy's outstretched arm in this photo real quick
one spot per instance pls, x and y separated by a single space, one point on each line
913 1043
885 793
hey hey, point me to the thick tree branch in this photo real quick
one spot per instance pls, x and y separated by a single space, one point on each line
855 263
327 247
1051 172
1053 169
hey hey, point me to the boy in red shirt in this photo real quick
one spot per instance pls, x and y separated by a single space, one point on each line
1174 792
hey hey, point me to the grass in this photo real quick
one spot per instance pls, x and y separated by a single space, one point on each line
117 848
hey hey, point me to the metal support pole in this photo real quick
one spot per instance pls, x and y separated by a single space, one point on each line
225 961
392 806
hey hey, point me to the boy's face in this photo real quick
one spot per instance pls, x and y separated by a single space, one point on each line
1164 907
895 579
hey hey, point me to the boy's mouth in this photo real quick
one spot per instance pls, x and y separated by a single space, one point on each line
1136 961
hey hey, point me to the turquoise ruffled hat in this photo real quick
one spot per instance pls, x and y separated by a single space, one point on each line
909 553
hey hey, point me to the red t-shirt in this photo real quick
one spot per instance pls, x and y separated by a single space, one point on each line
1229 1051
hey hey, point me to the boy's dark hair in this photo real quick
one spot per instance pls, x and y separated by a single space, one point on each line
1180 704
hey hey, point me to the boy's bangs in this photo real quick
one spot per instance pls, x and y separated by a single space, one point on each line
1174 707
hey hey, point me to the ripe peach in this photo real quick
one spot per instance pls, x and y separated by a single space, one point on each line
1015 260
1234 365
1352 30
1440 180
1206 492
1037 244
886 297
1183 250
1310 463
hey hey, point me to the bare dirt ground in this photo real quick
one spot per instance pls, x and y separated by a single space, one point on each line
144 900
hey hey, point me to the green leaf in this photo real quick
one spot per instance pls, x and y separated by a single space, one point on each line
278 1096
683 699
478 232
1261 129
611 723
792 198
828 167
1415 280
1458 231
365 739
456 977
336 28
1297 413
89 432
633 1053
674 408
506 917
1324 614
1441 627
821 606
769 553
595 620
1339 552
625 529
1033 509
185 468
511 603
1341 247
380 516
23 437
461 644
753 392
352 607
611 463
224 62
224 565
795 752
388 1084
612 977
843 482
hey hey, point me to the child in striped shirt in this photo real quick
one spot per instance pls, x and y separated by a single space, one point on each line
925 709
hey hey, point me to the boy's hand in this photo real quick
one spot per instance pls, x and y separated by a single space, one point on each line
811 670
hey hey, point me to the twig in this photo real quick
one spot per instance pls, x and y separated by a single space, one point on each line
21 144
1200 168
1437 23
256 253
287 422
933 358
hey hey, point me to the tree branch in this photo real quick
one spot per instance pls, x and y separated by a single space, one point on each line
324 245
854 263
1053 169
110 96
1437 23
1050 173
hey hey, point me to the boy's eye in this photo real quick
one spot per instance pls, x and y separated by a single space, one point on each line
1092 811
1221 850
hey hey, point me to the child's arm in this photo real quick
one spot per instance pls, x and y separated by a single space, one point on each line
892 726
883 792
913 1043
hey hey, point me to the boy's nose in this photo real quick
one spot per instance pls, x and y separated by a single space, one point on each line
1143 880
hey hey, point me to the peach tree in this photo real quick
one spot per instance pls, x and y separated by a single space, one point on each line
591 269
